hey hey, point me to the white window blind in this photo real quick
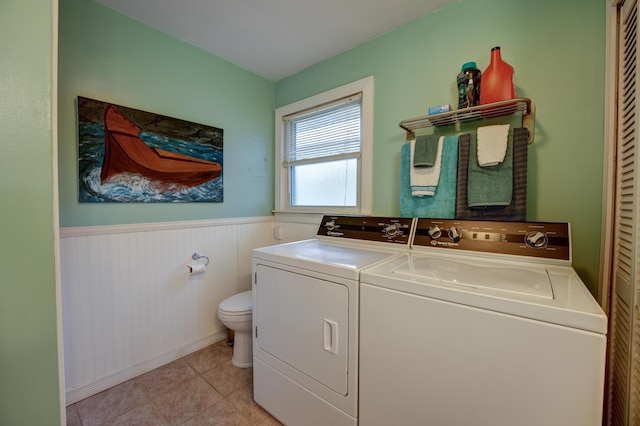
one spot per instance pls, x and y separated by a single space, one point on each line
325 133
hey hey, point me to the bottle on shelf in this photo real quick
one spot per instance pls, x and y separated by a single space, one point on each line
469 85
497 80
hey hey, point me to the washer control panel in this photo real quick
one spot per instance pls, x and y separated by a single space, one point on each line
547 240
368 228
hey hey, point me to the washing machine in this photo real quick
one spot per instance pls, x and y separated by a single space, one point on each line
483 324
305 317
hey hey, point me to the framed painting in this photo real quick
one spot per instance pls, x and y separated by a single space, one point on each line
130 156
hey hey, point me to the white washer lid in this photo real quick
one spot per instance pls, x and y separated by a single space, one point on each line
493 277
571 304
240 302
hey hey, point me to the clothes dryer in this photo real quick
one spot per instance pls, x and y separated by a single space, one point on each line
306 300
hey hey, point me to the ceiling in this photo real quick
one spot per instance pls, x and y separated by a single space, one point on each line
275 38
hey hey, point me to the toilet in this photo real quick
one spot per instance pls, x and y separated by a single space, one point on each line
235 313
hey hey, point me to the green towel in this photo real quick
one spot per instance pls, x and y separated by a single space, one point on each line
493 185
425 151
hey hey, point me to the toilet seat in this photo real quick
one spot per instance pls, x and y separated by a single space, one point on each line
239 304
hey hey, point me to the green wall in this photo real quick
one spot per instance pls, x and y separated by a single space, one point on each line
556 48
29 391
109 57
558 52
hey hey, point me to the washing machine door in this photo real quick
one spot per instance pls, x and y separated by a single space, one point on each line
303 321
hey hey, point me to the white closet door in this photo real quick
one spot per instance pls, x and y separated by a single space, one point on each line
623 406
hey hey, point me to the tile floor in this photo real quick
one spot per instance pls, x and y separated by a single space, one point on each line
200 389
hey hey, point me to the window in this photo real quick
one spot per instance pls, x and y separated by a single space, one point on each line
325 146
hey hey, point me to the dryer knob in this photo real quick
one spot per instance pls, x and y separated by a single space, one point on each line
392 230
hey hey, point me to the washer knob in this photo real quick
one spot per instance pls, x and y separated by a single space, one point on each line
454 234
331 225
536 239
435 232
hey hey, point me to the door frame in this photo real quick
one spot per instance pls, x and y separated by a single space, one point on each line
609 155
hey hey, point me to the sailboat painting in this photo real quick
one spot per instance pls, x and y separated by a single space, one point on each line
130 156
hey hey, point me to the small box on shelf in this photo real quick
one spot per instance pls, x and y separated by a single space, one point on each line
440 109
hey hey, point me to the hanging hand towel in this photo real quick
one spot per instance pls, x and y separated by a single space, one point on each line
425 151
492 144
424 180
443 203
490 186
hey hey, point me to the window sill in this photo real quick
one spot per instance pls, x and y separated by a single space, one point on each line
311 218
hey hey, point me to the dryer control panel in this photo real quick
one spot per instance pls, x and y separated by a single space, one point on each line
367 228
548 240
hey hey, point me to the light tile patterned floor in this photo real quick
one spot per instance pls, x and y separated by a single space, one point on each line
200 389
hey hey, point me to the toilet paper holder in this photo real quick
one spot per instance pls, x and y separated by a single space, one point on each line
197 266
197 256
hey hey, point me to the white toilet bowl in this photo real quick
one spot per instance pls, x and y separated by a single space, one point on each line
236 313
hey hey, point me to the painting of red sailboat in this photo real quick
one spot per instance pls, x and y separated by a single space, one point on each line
168 158
126 152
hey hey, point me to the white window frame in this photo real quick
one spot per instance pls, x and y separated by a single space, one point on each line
365 184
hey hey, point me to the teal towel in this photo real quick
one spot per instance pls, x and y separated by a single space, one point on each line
443 203
425 151
493 185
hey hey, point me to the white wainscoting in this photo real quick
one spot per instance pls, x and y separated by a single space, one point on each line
129 304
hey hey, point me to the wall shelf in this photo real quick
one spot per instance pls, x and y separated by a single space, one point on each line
480 112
